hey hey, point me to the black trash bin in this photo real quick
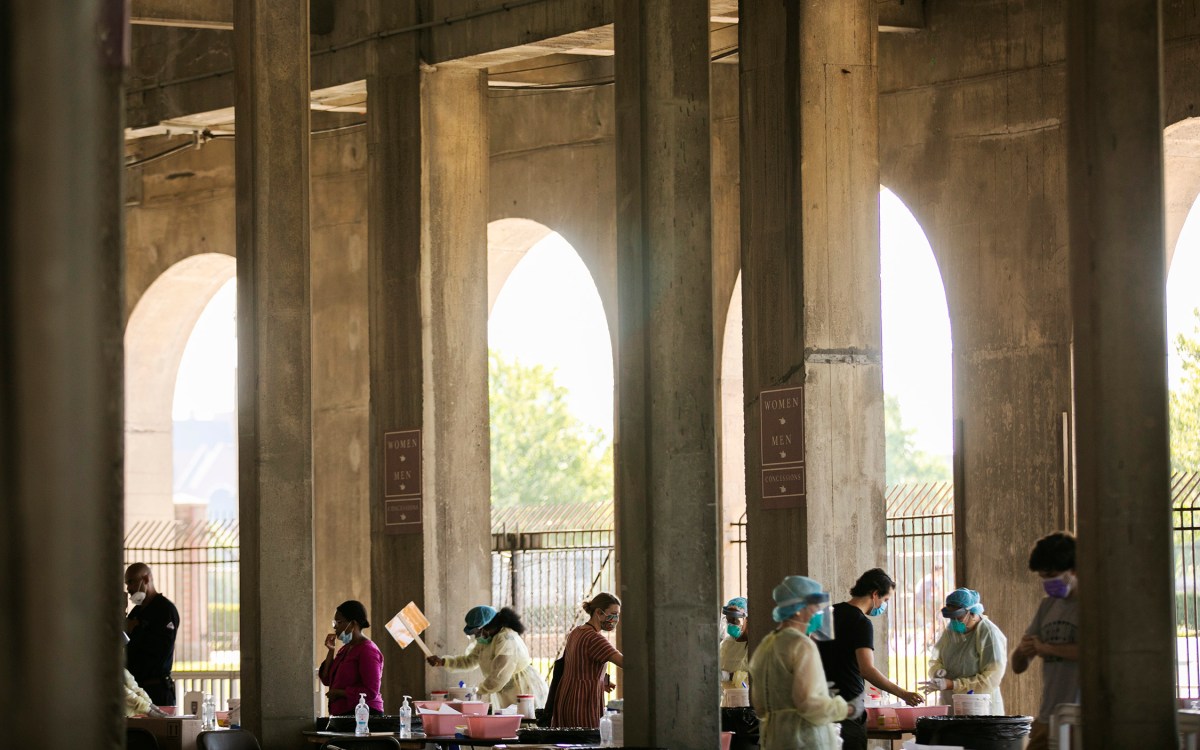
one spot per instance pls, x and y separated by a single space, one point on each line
744 724
975 732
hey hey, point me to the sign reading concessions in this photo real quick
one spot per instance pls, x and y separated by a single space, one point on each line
781 433
402 482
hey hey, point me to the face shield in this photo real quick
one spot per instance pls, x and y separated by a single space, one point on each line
820 624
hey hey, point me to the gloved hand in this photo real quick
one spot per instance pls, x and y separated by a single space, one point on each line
832 688
726 676
857 707
936 683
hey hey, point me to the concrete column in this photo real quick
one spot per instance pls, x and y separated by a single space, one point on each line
274 397
427 265
1118 276
810 286
666 514
60 385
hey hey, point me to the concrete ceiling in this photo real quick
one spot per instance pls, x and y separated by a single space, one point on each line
579 58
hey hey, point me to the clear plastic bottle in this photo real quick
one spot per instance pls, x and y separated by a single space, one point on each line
406 719
362 712
208 715
606 730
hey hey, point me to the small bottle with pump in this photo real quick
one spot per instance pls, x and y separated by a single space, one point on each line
606 730
208 717
405 719
362 712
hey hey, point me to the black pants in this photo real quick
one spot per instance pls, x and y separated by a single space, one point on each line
160 689
854 734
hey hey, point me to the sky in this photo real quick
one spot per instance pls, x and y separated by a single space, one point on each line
550 313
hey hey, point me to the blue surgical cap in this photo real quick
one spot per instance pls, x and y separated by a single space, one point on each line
735 607
795 593
477 617
962 600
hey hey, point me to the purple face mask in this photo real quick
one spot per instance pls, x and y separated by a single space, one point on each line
1057 587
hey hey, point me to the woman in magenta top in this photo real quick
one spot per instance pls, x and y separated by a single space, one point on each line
357 667
579 701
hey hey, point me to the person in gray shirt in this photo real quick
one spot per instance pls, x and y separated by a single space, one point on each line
1053 634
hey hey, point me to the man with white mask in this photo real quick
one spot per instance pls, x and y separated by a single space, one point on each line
151 626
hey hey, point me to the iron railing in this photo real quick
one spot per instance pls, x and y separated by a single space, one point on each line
920 557
195 565
1185 512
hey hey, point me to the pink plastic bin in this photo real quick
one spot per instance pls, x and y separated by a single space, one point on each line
470 708
441 725
726 738
493 727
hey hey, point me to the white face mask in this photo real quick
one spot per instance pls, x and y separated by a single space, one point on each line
137 598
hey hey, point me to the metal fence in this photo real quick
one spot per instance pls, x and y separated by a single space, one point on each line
547 574
920 557
567 557
195 565
1185 512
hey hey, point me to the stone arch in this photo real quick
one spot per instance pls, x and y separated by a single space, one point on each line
733 448
508 242
155 337
1181 154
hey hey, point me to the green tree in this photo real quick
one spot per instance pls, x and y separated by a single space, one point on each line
1185 404
905 463
541 452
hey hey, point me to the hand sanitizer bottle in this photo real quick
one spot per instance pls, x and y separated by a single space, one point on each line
361 713
606 730
405 719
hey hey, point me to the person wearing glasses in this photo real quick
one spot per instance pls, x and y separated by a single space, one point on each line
356 667
971 654
579 698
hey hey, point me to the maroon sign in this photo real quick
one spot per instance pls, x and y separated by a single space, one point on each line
781 439
402 482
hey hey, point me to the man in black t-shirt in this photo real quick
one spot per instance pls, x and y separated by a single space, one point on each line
850 656
151 626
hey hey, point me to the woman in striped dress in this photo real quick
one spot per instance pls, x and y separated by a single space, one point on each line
579 701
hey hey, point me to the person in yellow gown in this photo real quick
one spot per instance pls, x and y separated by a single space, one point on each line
787 680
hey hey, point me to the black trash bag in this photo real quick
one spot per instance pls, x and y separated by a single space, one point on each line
546 715
975 732
743 722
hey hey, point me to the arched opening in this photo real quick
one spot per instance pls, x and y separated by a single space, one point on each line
918 431
181 463
733 453
1182 151
551 402
155 340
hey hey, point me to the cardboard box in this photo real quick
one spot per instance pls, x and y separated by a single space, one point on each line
172 733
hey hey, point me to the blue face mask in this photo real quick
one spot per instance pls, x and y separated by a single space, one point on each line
958 626
877 611
815 623
735 631
345 637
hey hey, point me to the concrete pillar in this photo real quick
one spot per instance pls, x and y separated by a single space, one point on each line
810 286
1118 276
60 385
427 265
274 398
666 514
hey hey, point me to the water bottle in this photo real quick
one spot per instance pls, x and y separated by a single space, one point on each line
606 730
208 716
405 719
362 712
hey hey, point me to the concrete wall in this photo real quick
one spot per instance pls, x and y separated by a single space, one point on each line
971 139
